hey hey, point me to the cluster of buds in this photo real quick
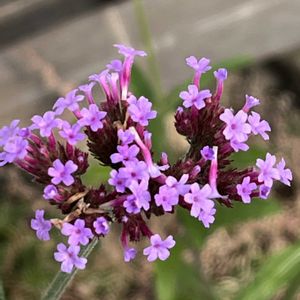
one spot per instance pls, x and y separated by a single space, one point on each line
116 134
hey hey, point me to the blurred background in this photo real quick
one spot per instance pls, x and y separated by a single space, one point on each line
48 47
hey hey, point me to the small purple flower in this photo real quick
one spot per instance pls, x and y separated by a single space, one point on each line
199 199
129 254
46 123
167 197
207 217
180 186
15 148
207 153
62 173
69 258
267 171
129 52
125 153
41 225
250 102
258 126
194 97
88 91
70 102
115 65
140 110
141 194
237 146
245 189
101 226
264 191
134 171
285 174
72 133
159 248
77 233
117 181
125 136
92 117
50 192
8 132
236 128
201 66
131 205
221 74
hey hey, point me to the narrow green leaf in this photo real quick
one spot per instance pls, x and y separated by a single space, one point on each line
62 280
2 294
278 271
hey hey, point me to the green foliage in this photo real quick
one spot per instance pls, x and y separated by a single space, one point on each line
277 272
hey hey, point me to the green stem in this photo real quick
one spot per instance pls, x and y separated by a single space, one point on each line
62 280
146 37
2 294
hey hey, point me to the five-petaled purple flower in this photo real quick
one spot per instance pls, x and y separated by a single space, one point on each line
62 173
92 117
72 134
267 171
41 225
125 136
125 153
245 189
69 258
199 198
141 194
101 226
207 217
77 233
220 74
159 248
70 102
201 66
194 97
129 51
46 123
236 126
258 126
167 197
140 110
117 181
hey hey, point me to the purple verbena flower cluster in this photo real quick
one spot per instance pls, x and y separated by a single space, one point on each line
116 134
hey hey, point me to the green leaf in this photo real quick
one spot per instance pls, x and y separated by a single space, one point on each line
62 280
177 279
278 271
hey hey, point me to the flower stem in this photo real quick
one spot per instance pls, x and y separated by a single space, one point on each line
60 282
